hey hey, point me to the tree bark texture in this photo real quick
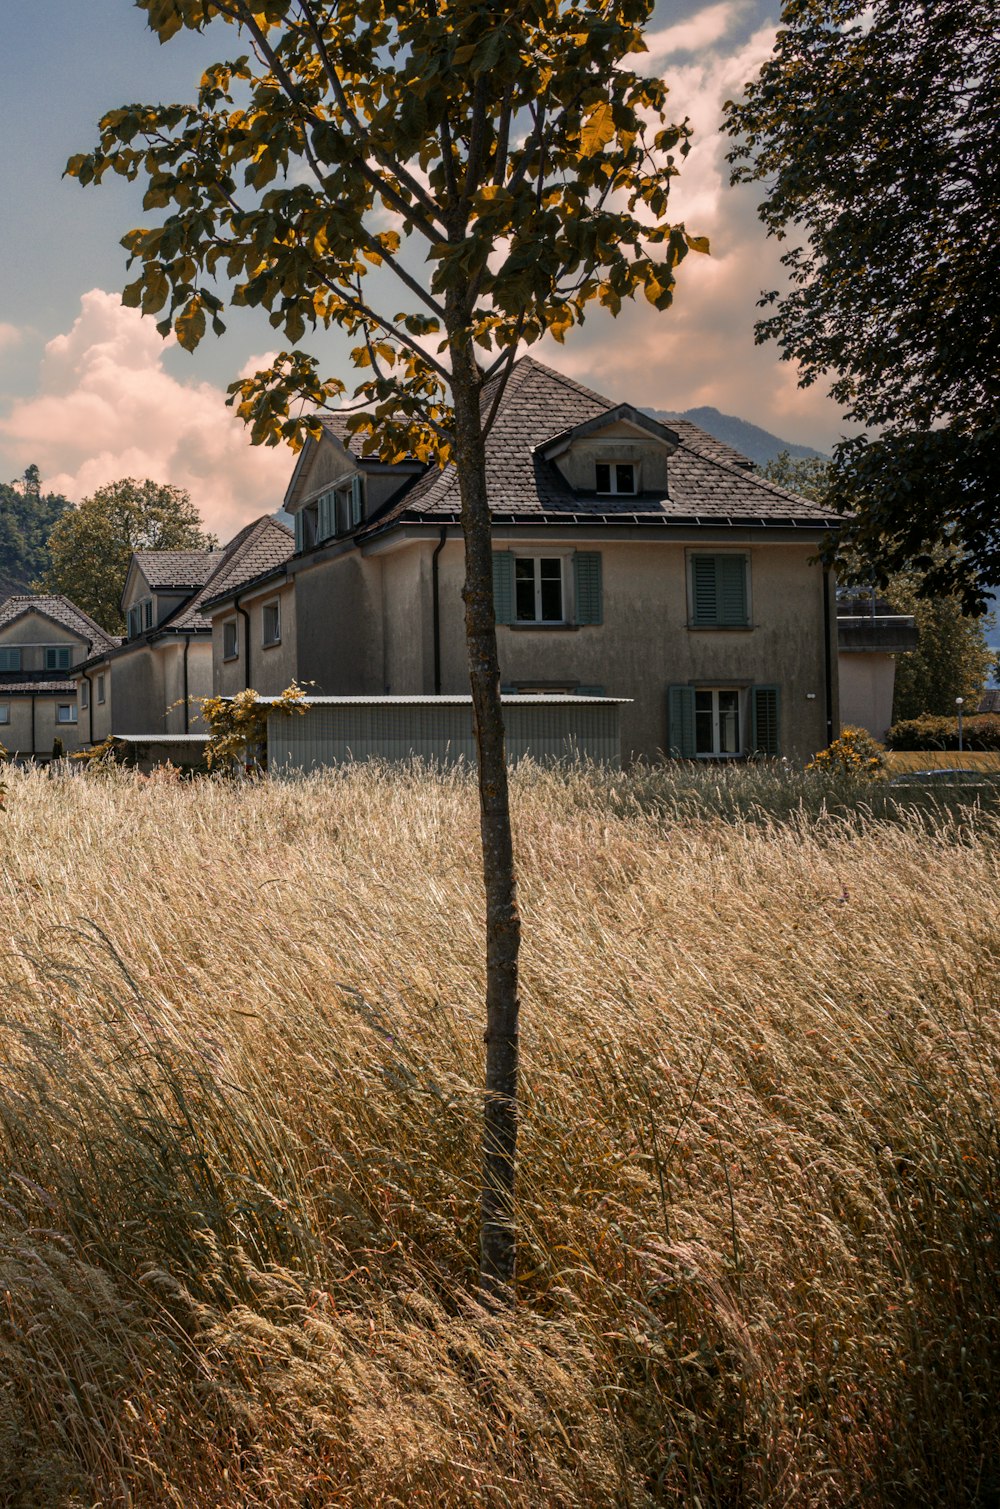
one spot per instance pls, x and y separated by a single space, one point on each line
498 1248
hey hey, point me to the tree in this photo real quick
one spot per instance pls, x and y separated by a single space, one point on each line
27 516
875 127
92 544
494 169
952 658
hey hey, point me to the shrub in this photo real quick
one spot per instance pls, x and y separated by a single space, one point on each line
981 731
855 754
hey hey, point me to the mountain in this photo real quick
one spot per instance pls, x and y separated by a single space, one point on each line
759 445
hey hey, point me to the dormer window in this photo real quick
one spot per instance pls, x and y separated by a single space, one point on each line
341 509
616 478
57 657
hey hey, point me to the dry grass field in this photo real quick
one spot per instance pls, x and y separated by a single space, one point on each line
241 1045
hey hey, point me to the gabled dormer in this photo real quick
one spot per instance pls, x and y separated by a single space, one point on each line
159 582
334 489
619 454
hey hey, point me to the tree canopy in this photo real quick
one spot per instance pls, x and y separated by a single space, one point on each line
445 180
875 128
92 543
27 515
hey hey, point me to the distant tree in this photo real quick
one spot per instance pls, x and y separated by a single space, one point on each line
92 544
952 658
27 516
874 129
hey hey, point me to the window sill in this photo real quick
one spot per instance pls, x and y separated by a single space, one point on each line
266 644
720 628
231 659
558 628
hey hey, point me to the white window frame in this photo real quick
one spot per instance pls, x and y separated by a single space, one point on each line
231 625
266 643
71 711
614 491
5 713
536 555
742 713
101 690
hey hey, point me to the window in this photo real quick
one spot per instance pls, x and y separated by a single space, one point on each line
717 722
340 509
4 712
57 657
718 591
134 621
147 613
85 695
538 589
615 477
553 589
66 712
271 623
230 640
10 660
100 688
722 722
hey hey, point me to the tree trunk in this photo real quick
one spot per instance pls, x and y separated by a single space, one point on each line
498 1248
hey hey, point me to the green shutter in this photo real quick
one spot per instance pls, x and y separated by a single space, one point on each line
765 717
326 521
357 500
299 534
719 591
680 720
10 660
731 589
704 600
587 587
503 586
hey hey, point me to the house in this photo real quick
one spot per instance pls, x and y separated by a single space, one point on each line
869 638
148 685
42 642
644 561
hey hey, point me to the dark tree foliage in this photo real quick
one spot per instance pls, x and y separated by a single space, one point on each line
27 516
875 129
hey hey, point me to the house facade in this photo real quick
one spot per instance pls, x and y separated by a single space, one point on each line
631 559
43 641
151 683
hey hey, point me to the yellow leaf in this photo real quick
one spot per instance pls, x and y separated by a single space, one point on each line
598 129
696 243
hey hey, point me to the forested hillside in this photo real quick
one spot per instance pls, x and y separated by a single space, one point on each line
26 518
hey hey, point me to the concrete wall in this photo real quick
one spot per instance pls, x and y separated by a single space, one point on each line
272 667
340 632
644 644
866 687
17 735
95 722
199 684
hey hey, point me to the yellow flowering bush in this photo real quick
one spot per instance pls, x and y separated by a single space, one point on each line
238 726
856 754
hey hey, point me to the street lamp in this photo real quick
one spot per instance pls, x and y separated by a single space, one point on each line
958 703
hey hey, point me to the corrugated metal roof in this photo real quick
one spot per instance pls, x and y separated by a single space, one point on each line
509 699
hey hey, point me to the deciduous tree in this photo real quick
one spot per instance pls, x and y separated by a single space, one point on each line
92 544
875 129
444 180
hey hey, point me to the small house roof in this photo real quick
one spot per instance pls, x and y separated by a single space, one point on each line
61 611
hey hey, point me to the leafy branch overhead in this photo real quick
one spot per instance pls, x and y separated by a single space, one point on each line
513 148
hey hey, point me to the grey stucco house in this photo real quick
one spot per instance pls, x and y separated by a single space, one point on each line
639 560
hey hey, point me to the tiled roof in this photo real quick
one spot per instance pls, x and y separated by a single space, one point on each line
259 548
708 482
36 685
62 612
182 569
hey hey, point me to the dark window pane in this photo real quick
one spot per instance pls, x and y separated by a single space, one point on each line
524 589
603 477
552 610
625 475
703 740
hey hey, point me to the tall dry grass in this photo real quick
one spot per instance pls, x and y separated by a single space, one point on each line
240 1053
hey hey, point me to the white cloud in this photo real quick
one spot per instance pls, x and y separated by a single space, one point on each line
10 336
702 351
106 407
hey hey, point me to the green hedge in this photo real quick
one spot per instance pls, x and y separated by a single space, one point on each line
979 731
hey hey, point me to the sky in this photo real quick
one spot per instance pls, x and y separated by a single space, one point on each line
90 392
